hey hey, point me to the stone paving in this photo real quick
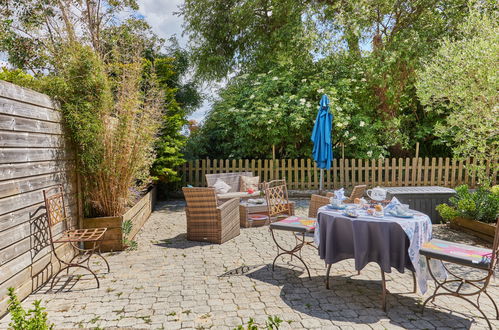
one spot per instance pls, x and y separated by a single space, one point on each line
172 283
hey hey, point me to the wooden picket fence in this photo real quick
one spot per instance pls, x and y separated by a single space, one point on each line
303 174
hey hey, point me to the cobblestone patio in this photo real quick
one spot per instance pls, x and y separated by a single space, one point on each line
172 283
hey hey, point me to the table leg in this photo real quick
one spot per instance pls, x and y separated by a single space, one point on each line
415 286
327 275
384 293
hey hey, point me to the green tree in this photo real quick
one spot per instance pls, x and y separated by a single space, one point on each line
461 82
103 64
181 97
33 31
386 41
45 38
244 35
278 108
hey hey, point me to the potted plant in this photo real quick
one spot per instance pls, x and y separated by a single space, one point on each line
473 211
115 143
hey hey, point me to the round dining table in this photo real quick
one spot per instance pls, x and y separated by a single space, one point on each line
389 241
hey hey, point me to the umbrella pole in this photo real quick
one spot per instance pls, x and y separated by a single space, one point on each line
321 183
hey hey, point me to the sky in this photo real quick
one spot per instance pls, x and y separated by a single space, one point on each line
160 14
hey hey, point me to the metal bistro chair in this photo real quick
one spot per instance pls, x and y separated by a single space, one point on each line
56 214
357 192
278 208
468 256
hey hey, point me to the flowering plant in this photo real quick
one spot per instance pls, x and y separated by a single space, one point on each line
278 108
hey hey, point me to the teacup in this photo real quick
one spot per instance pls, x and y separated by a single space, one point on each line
335 202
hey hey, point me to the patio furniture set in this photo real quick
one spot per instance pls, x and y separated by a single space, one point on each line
215 214
403 243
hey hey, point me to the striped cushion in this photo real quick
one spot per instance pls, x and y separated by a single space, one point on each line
457 253
296 224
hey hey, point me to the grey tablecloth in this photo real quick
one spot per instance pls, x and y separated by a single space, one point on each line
383 242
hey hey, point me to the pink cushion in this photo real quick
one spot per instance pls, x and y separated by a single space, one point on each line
295 223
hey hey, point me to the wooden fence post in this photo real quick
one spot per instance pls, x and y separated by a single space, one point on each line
302 165
342 172
203 172
426 170
295 178
196 172
394 169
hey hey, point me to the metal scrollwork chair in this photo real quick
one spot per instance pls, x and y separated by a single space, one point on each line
279 211
56 214
455 285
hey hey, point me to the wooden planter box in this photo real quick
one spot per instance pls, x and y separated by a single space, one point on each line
485 231
114 236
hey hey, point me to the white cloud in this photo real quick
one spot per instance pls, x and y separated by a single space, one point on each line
160 14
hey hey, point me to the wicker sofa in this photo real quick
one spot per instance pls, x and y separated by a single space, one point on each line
232 179
207 222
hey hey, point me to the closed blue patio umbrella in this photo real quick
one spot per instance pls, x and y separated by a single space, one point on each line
321 137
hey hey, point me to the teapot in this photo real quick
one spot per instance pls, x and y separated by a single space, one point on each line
377 194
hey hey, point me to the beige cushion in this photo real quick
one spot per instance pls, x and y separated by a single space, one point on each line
232 179
238 195
221 187
248 182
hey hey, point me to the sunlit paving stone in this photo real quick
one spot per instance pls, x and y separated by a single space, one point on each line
172 283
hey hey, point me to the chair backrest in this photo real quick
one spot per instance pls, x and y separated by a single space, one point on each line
232 179
200 199
316 201
54 203
357 192
273 183
495 248
277 200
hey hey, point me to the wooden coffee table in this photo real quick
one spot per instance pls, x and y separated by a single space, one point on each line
246 208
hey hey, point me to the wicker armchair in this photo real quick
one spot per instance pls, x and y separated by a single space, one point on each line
357 192
316 201
207 222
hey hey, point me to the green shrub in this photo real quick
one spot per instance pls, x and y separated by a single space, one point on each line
481 205
447 212
33 319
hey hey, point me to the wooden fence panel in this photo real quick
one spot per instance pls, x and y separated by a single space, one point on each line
303 174
34 155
